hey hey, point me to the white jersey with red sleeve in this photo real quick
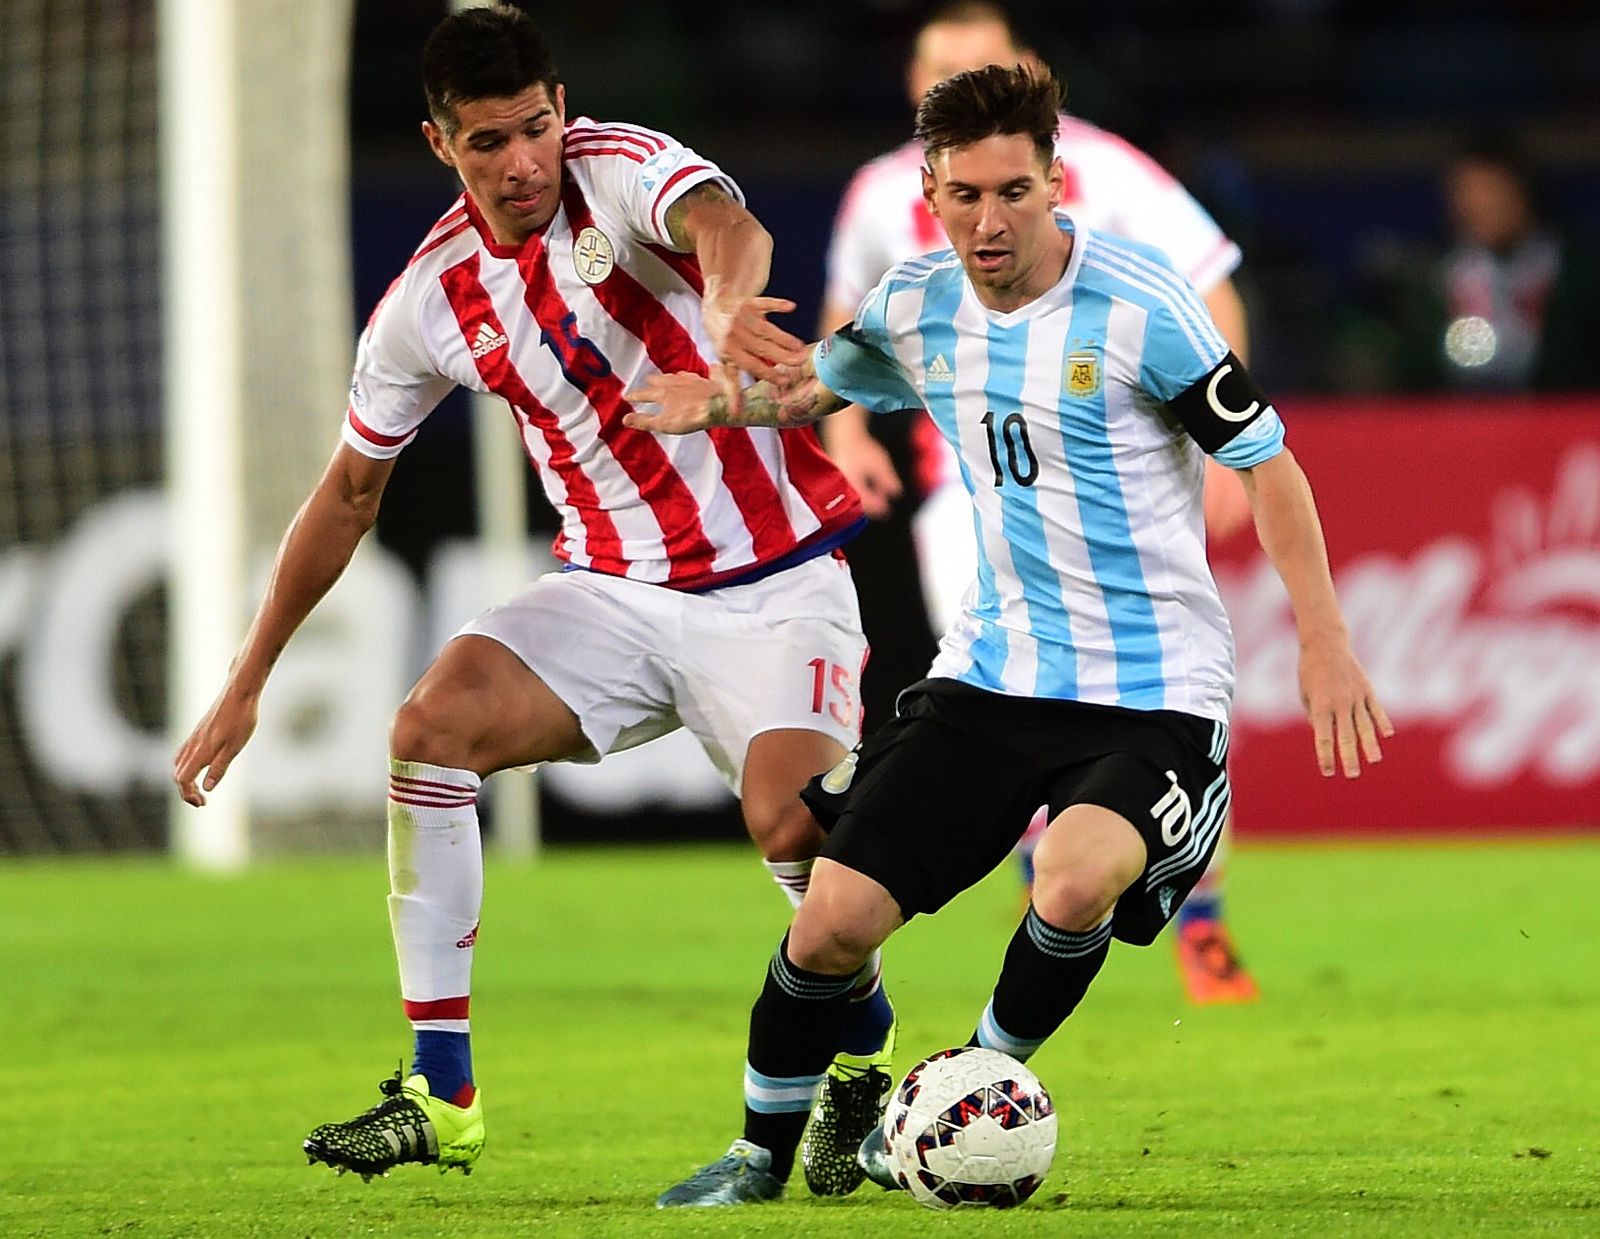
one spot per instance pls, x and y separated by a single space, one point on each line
560 327
1110 185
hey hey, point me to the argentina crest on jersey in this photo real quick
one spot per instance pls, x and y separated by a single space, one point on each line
1081 371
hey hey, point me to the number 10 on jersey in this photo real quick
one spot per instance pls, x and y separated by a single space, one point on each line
1021 463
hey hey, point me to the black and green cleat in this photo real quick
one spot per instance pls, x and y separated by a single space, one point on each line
854 1096
408 1125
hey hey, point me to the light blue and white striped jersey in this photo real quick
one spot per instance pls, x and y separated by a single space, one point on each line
1092 578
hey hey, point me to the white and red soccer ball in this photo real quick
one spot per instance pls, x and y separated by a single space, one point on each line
970 1126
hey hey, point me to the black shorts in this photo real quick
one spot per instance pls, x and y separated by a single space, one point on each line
939 795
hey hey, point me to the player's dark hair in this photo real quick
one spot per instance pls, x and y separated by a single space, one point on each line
983 103
483 53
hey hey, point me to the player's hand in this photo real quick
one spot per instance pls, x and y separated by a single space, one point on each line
744 338
682 404
866 466
1227 504
1346 717
213 744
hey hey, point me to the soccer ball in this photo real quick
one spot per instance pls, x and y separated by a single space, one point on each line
970 1126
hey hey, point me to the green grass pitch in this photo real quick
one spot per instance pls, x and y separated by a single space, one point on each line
1426 1059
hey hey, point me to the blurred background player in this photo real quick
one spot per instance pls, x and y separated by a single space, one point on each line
1109 185
702 587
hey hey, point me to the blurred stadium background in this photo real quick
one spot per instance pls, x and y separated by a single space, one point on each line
1465 526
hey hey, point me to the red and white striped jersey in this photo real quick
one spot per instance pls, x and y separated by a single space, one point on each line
561 327
1111 186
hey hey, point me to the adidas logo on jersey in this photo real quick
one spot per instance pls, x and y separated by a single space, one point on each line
940 371
488 340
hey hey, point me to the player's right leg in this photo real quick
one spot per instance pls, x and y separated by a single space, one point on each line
795 1027
770 685
914 820
855 1089
477 710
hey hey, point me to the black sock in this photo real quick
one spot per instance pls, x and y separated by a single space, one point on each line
795 1029
1045 975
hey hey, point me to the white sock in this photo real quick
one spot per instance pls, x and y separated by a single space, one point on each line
436 889
792 876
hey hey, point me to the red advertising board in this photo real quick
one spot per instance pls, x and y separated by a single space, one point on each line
1465 544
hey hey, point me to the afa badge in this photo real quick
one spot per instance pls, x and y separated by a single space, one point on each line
1082 374
592 255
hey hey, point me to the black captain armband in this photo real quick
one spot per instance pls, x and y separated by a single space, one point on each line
1220 406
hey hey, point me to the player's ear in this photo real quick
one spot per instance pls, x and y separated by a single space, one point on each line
928 186
438 143
560 103
1055 178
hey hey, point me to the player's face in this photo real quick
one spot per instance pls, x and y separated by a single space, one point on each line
507 152
1488 205
995 199
945 49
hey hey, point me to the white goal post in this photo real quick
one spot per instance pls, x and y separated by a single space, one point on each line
258 337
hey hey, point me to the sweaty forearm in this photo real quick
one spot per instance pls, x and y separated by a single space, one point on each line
736 260
1291 535
312 556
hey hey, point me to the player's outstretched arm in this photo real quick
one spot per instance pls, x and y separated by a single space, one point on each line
1346 717
685 403
312 556
735 256
861 458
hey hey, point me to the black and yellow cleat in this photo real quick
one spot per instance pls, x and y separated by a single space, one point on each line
408 1125
854 1096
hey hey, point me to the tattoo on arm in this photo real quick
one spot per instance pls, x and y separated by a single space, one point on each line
678 212
765 404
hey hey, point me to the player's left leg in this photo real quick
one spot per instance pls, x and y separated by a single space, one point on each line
1085 859
478 709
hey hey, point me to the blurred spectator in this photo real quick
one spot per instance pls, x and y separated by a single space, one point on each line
1512 305
1522 304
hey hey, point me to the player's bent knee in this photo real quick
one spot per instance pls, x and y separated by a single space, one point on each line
844 918
1075 891
426 730
1075 901
783 831
836 949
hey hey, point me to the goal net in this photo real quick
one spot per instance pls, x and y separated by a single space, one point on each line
176 333
99 116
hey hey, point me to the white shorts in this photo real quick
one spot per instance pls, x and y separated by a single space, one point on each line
635 661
